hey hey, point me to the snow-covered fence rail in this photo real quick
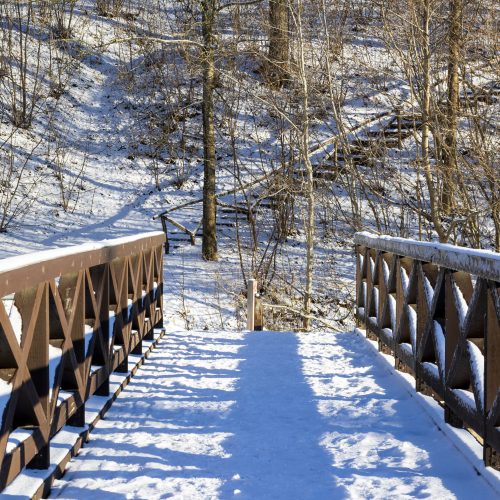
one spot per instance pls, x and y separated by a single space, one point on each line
436 308
68 319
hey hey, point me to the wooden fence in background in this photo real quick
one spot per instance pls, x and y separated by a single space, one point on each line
436 308
68 319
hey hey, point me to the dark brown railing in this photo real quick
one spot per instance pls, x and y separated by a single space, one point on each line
68 319
436 308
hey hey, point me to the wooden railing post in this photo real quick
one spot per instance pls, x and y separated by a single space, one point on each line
38 365
251 292
492 377
259 314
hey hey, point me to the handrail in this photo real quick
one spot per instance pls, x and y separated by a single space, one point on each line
68 318
436 309
23 271
483 263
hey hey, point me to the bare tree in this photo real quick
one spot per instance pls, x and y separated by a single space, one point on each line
209 248
279 43
452 103
23 52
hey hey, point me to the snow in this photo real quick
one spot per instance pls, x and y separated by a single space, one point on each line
386 271
392 312
432 368
388 332
466 398
268 415
407 348
404 280
145 293
16 321
87 336
27 259
477 367
376 299
111 325
16 437
201 411
361 261
5 392
461 303
412 320
429 290
54 361
440 345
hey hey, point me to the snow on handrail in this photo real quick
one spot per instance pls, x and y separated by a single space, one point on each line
482 263
21 271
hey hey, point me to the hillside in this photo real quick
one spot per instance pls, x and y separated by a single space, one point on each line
101 130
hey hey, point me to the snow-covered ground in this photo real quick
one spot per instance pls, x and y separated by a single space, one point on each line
269 415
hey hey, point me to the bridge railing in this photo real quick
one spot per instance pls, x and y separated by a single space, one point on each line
68 319
436 308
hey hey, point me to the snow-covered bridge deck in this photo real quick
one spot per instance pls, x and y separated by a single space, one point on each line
265 415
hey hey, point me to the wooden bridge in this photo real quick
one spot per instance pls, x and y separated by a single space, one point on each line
76 324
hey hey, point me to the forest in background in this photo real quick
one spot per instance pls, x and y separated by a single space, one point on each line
295 123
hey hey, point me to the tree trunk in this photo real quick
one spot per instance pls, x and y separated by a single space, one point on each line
279 45
453 104
209 247
426 112
309 180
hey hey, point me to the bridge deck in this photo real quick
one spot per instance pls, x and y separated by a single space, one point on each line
269 415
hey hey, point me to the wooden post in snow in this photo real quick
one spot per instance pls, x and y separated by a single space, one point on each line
258 314
251 292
